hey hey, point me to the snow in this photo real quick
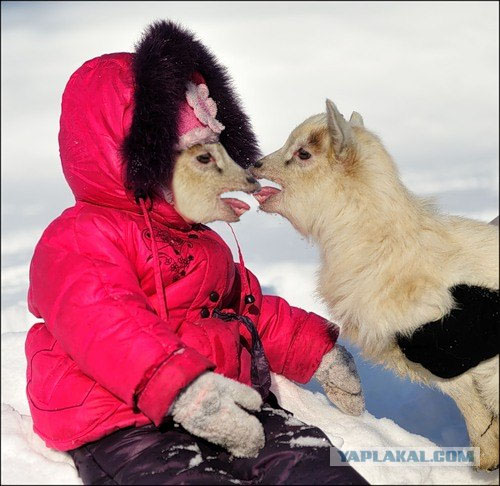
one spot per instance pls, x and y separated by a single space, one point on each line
308 442
402 69
196 460
293 422
25 459
367 431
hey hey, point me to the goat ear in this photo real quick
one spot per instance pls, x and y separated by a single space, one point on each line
356 120
340 131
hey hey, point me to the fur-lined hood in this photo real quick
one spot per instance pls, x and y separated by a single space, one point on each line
120 113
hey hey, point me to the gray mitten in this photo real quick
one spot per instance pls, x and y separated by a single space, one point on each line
212 407
339 377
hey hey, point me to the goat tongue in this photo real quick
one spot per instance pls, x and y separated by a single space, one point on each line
265 193
239 207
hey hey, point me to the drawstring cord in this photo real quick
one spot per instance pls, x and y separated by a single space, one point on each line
249 298
160 291
260 369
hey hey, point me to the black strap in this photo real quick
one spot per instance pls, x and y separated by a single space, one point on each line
260 371
460 340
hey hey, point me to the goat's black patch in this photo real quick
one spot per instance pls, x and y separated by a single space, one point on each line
460 340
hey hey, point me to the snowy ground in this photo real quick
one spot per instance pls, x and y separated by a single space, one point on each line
402 68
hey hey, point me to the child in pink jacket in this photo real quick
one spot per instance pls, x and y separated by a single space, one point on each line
151 364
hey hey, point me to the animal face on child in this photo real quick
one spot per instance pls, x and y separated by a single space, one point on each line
204 172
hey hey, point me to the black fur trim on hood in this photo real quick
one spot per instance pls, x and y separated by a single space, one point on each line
164 61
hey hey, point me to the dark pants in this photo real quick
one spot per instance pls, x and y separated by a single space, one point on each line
294 453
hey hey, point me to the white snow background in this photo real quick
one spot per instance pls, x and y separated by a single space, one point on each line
423 75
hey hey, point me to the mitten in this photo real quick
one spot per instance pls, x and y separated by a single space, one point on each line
213 407
339 378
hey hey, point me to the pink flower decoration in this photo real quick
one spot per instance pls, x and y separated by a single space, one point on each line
204 107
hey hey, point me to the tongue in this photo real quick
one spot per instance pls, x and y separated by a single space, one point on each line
239 207
265 193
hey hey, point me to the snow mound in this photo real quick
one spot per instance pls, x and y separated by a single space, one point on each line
26 459
368 431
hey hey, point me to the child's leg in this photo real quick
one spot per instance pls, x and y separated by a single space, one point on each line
148 455
294 454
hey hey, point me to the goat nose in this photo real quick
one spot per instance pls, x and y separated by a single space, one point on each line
251 180
257 164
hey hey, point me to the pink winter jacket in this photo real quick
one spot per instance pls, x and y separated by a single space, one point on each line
103 359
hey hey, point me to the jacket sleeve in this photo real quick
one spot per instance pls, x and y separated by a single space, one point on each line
84 285
294 340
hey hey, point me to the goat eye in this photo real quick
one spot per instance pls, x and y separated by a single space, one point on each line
304 154
204 158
